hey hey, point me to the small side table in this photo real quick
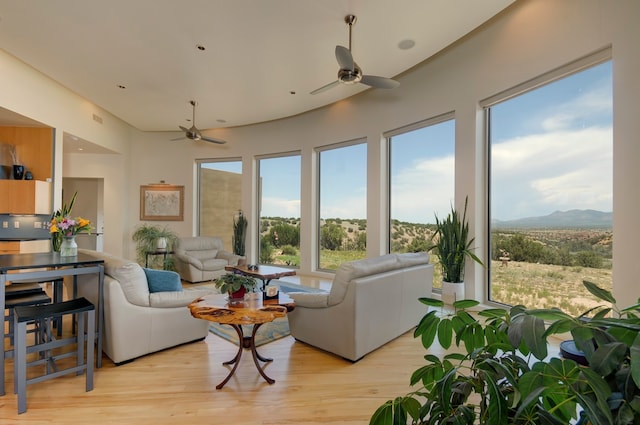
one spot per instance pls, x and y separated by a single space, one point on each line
164 254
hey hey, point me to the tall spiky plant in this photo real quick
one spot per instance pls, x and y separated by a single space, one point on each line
452 244
239 233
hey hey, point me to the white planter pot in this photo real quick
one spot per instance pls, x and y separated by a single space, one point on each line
452 292
161 244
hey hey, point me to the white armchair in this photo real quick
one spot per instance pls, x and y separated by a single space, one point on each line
202 258
138 321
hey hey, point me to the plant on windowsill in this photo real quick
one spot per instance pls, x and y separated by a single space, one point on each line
151 238
239 233
504 374
236 285
452 246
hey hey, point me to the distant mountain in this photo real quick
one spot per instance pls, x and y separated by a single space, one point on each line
562 220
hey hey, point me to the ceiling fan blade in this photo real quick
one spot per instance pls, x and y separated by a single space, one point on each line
326 87
379 82
344 58
210 140
185 129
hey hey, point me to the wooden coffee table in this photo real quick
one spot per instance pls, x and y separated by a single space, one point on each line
264 273
254 311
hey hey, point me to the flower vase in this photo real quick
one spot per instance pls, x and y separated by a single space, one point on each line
68 247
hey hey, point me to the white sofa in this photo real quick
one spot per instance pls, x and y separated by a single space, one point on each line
202 258
138 322
371 302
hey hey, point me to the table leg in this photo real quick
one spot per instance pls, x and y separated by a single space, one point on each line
3 278
257 356
236 360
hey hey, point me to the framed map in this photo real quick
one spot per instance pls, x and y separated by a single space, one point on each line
162 202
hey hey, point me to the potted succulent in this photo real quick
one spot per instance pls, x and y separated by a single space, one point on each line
505 374
153 238
452 247
236 285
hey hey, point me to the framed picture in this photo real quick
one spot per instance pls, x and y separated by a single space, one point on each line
162 202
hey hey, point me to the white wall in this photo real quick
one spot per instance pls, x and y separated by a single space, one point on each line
528 39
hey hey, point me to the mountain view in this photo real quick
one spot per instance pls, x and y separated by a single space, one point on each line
585 219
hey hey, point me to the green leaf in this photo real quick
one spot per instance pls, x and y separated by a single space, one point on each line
497 313
635 360
533 334
465 303
412 407
431 302
426 321
383 415
549 314
497 406
607 358
603 294
445 333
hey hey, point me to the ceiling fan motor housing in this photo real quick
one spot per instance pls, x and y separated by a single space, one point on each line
348 76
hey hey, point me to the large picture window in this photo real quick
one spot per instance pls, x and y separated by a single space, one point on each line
219 198
421 184
279 210
551 191
342 228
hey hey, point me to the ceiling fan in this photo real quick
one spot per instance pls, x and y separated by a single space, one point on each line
350 72
193 133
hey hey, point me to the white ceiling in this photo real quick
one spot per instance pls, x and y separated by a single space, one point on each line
258 52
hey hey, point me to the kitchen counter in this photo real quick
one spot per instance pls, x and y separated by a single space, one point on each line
22 245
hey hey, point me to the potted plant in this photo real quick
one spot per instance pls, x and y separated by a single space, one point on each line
239 232
505 374
236 285
452 247
153 238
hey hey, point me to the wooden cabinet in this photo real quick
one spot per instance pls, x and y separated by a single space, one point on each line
16 247
25 197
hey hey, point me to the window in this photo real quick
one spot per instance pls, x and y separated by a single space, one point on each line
551 191
279 210
421 184
342 228
219 198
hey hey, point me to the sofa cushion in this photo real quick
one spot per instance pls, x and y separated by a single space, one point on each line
131 277
214 264
162 280
413 259
176 298
309 299
355 269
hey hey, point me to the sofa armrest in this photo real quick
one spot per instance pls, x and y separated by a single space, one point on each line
231 258
309 300
176 298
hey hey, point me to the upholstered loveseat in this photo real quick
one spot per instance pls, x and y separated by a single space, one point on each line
138 321
202 258
371 302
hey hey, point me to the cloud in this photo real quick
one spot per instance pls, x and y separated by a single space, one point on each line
280 207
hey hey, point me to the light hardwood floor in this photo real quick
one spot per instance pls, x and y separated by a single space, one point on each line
177 386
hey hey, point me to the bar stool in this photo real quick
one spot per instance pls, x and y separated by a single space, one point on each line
85 312
28 286
16 298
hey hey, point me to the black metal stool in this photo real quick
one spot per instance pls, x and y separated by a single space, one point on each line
14 299
27 286
85 312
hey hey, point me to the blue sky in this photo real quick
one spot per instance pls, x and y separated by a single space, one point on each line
551 150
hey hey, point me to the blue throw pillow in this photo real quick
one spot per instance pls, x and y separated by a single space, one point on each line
163 280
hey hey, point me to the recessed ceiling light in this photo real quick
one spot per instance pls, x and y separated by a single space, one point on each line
201 47
292 92
406 44
120 86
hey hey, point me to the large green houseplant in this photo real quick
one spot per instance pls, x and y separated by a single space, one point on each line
505 374
146 237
